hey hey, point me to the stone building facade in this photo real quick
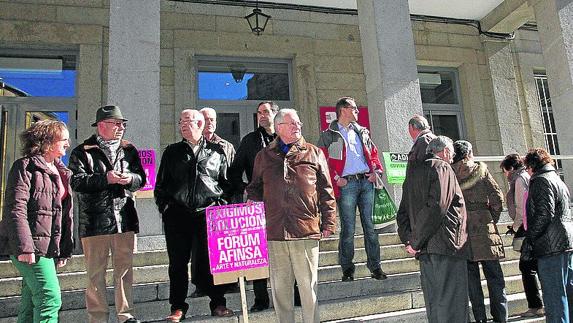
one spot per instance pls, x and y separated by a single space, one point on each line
147 57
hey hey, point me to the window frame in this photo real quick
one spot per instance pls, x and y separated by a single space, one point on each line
200 61
455 109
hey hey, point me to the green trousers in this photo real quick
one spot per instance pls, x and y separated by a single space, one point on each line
41 296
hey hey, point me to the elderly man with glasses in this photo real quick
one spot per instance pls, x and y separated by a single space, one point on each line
291 177
107 171
191 177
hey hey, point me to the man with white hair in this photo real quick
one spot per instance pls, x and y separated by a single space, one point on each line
191 177
210 116
291 176
435 232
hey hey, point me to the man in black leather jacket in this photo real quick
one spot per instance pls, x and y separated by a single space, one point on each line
548 223
191 177
107 171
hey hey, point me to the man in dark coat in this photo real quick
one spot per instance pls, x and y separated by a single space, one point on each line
244 162
419 130
191 177
107 171
434 230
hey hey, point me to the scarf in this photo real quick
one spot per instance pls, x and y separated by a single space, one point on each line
111 150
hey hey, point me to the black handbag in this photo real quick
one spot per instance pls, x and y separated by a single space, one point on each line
526 251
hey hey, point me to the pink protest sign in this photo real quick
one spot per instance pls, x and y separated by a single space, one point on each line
147 157
237 237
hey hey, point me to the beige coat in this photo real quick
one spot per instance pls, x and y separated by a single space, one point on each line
483 204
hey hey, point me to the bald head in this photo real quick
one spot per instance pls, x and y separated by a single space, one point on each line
191 124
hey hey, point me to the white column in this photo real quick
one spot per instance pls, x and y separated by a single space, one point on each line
555 25
133 85
392 85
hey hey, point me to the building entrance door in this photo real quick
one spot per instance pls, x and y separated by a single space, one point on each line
233 123
18 113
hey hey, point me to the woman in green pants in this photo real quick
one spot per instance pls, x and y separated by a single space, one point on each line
36 229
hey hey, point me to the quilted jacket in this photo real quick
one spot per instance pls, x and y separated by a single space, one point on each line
549 221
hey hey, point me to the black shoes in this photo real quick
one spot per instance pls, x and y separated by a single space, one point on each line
378 274
348 275
132 320
257 307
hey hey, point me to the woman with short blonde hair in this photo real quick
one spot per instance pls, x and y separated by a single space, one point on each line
36 230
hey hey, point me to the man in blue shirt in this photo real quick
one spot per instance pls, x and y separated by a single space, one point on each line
354 168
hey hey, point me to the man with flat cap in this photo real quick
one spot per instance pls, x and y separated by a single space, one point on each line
107 171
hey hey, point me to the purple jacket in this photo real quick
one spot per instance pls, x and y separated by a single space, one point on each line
35 219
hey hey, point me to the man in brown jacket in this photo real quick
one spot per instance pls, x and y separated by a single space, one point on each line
291 177
434 230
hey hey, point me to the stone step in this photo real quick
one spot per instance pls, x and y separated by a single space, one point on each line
419 315
158 273
328 290
328 249
405 306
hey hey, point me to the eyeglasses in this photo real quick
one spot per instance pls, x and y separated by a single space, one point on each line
117 123
351 107
187 122
293 124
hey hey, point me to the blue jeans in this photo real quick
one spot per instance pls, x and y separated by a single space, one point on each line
357 193
495 285
556 275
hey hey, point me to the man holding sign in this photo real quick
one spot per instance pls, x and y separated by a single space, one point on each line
291 177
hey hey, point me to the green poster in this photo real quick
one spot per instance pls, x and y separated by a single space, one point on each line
395 167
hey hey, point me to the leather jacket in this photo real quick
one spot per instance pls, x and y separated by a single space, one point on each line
192 181
96 198
548 216
296 189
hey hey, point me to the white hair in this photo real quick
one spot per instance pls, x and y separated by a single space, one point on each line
438 144
282 113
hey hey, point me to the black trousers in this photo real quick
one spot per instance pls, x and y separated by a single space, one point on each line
528 270
186 237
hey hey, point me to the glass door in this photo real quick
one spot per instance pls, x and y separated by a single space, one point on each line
18 113
233 123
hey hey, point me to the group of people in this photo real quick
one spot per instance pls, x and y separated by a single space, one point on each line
295 181
37 225
447 217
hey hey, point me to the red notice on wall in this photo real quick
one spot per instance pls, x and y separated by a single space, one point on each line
328 114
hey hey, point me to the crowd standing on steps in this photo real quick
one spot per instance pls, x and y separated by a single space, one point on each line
447 217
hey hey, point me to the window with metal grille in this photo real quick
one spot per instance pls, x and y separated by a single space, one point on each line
549 131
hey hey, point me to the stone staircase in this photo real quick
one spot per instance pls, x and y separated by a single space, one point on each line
397 299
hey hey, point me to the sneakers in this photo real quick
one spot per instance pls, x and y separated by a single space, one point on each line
132 320
533 312
176 316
